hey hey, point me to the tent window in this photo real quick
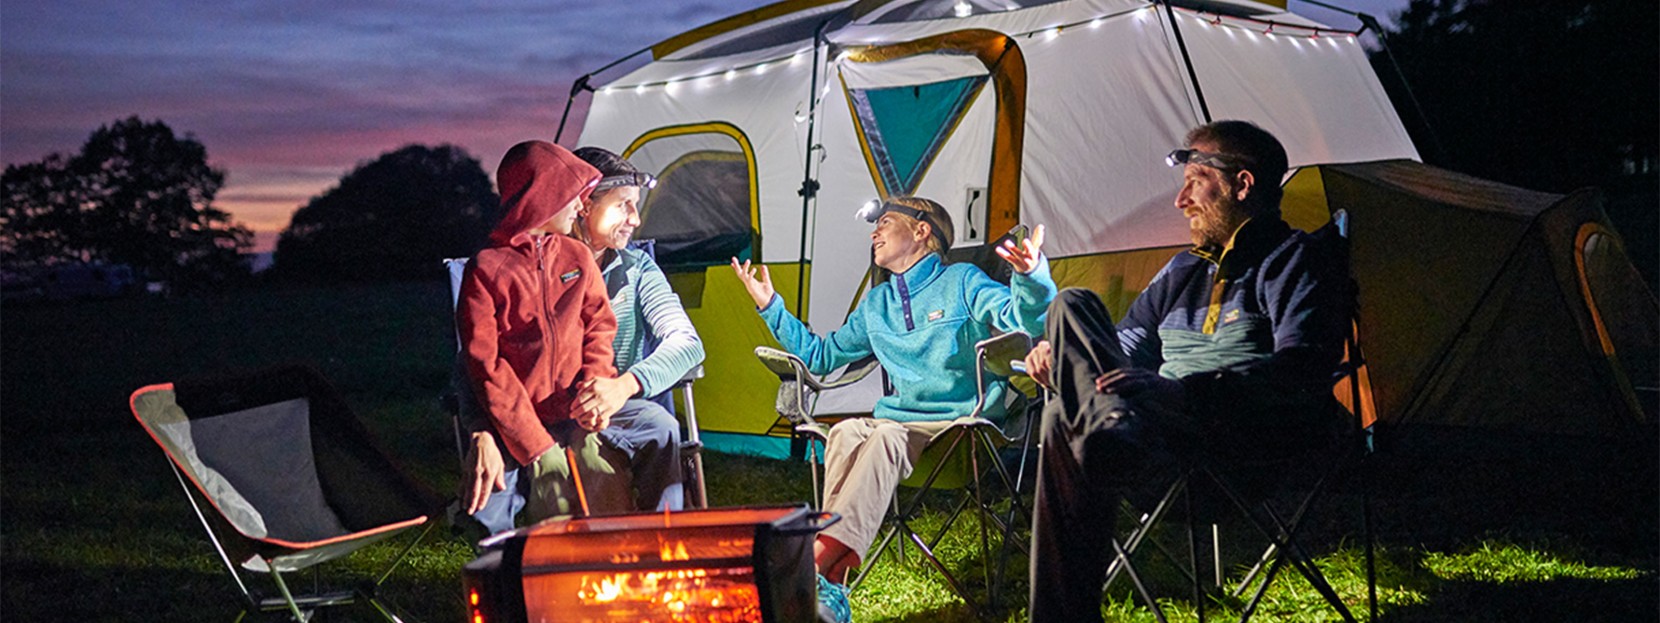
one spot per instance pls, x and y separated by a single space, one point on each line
702 211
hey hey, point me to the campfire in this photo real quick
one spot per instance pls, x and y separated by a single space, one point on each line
716 566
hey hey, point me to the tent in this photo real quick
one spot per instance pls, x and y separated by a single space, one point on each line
1485 306
768 129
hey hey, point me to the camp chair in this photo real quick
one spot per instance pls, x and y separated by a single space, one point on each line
283 477
1245 491
691 444
946 462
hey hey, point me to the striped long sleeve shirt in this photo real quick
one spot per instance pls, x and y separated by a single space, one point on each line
655 339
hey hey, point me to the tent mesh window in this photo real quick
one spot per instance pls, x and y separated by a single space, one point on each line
699 213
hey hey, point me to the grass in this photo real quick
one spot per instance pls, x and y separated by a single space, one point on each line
94 527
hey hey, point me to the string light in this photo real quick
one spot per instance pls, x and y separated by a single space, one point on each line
1215 19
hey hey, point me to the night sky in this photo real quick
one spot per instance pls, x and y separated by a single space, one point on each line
288 96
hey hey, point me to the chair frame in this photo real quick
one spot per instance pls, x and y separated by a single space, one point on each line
996 355
299 606
1279 531
691 442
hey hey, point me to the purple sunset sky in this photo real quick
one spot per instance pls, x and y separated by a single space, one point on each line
289 96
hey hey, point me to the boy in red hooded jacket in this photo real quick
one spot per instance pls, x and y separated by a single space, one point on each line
535 321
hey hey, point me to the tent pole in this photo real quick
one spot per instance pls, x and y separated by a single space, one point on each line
1369 22
1192 76
578 87
809 186
581 85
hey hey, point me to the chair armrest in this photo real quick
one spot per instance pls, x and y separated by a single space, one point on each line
790 367
786 366
1000 352
691 375
853 373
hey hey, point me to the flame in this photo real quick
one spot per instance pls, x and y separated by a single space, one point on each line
701 595
677 551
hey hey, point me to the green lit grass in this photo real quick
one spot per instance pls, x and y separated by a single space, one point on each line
94 527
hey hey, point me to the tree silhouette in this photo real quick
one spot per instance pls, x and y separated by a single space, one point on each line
136 194
1549 95
392 218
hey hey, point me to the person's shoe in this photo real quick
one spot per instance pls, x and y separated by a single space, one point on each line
832 602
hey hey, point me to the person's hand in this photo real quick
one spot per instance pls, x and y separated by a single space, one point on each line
757 281
1040 362
488 472
599 398
1141 384
1023 257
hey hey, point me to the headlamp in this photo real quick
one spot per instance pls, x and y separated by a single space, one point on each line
875 208
644 180
1185 156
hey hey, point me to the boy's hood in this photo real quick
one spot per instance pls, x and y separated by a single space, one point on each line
536 179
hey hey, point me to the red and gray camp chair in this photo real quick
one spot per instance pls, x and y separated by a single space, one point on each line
283 477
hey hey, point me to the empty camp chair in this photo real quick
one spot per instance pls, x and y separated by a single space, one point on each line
1248 490
282 477
691 444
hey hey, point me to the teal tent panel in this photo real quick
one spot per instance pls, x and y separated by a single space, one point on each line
906 126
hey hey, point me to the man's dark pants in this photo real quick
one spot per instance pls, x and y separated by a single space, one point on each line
1096 448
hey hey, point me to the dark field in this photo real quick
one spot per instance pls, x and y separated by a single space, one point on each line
94 527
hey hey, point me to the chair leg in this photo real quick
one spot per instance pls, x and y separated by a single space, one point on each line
1142 530
286 595
406 550
1122 559
1283 538
1371 540
1193 555
956 586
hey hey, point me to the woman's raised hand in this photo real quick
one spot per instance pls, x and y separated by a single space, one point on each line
757 281
1025 256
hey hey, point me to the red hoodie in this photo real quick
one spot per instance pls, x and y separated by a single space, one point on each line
533 312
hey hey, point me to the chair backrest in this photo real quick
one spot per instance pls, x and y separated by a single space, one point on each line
279 456
985 256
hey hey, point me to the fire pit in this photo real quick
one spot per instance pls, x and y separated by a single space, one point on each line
714 565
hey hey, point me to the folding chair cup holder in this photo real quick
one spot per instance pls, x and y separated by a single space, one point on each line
283 477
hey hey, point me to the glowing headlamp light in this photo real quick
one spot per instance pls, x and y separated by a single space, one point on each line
875 208
644 180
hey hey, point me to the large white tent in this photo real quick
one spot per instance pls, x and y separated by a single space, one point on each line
1005 111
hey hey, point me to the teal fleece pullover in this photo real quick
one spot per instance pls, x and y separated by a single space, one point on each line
922 326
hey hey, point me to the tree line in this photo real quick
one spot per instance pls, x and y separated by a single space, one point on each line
140 196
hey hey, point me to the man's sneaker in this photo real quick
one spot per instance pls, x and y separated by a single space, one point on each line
832 602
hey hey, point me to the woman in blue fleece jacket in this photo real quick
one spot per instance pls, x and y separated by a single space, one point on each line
922 325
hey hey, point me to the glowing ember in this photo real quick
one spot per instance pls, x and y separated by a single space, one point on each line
700 595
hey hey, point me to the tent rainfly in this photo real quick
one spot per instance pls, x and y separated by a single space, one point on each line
769 129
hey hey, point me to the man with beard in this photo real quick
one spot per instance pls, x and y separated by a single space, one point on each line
1229 352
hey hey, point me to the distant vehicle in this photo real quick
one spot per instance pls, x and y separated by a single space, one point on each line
65 282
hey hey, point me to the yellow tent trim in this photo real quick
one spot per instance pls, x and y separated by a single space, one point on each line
742 20
717 127
1003 58
1620 378
864 143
